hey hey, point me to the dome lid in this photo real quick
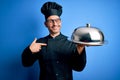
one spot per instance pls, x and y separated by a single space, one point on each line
88 36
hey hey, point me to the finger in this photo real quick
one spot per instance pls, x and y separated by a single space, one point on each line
82 45
40 48
35 40
43 44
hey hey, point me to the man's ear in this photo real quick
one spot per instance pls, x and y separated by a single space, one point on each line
45 23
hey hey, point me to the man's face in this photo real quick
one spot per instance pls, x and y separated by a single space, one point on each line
53 23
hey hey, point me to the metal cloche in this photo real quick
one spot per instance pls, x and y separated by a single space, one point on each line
88 35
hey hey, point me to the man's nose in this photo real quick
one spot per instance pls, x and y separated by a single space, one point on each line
54 22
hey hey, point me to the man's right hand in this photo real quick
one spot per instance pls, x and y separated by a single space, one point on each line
36 47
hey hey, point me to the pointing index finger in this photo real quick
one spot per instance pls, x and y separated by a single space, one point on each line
43 44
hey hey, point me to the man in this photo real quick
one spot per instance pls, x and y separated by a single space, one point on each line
56 55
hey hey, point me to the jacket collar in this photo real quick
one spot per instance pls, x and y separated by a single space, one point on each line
60 36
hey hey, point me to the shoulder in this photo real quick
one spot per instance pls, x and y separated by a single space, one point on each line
42 39
68 42
62 36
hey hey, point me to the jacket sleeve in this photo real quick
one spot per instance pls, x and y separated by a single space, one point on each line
28 58
78 62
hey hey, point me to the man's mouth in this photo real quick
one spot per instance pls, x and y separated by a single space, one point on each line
55 27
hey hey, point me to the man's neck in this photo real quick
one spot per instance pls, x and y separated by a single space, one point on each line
54 34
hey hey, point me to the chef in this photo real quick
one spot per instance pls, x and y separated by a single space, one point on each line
57 55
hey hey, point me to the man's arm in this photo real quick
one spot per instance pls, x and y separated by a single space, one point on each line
28 58
29 55
79 59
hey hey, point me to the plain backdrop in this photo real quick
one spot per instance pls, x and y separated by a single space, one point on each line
21 21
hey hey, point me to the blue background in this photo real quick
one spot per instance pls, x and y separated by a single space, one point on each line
21 21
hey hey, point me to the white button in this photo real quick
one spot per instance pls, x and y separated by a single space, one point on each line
56 74
57 61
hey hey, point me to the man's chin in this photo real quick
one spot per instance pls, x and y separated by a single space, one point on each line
55 32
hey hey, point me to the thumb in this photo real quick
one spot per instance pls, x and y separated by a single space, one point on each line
34 40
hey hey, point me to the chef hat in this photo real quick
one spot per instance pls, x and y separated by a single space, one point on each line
51 8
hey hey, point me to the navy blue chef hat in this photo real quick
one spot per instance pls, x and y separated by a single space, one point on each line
51 8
